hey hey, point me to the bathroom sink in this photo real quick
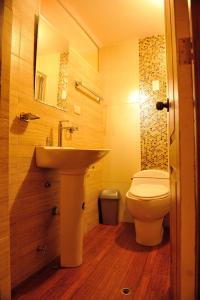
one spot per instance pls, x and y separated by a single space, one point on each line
72 164
67 158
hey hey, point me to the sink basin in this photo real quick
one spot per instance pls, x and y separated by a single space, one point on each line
67 158
72 164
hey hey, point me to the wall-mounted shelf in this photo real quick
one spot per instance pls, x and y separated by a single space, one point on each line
26 117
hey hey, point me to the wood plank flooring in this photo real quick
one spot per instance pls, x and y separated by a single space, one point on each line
112 261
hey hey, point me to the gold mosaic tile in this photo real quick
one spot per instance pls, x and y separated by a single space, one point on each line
154 139
63 81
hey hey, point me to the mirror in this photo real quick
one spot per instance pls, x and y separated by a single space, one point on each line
51 76
59 34
80 40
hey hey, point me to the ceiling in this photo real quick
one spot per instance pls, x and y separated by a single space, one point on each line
112 21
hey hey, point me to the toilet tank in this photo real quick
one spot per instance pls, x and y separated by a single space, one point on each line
151 176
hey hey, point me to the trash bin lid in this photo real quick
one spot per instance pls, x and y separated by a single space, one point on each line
110 194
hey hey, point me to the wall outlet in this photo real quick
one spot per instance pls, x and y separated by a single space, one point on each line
77 109
155 85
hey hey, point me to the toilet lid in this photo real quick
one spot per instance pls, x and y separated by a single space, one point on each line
149 191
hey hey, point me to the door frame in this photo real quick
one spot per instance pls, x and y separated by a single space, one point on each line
5 55
182 152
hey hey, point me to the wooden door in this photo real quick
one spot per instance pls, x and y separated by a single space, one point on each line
194 8
181 150
5 38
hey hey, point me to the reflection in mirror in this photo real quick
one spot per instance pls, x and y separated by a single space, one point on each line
59 36
51 76
40 86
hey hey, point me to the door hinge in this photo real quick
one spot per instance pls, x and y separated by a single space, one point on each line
185 48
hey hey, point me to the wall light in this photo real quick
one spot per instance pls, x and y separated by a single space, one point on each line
137 97
134 97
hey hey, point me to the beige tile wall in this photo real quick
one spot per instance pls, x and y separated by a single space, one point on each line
30 202
119 67
5 36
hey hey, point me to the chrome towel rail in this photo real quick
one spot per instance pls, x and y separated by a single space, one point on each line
88 92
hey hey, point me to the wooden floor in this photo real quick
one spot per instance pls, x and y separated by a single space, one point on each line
112 261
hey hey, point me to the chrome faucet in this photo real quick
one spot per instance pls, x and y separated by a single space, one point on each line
71 129
60 130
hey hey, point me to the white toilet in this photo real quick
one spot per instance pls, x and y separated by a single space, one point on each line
148 201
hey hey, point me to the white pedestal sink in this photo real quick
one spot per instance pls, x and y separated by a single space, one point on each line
72 164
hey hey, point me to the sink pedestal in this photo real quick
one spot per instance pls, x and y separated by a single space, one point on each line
72 164
71 215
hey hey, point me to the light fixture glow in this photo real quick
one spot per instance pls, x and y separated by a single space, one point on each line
143 97
134 97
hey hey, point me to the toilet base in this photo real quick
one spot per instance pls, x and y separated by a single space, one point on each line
149 233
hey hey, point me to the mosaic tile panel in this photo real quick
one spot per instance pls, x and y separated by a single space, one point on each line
63 81
154 139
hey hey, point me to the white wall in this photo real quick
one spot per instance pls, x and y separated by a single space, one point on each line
119 67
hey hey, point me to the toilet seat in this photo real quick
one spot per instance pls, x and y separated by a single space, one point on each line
148 191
